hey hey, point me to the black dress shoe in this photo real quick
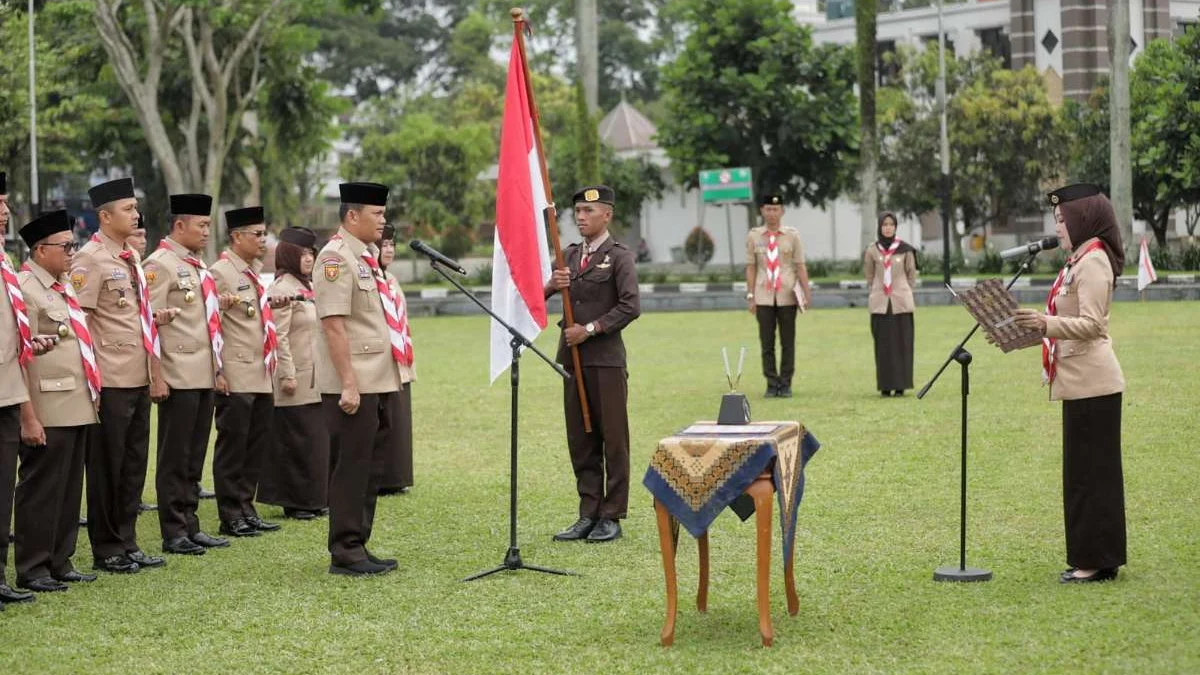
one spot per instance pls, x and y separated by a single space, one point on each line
208 541
83 522
299 514
117 564
239 528
183 546
75 576
262 525
389 491
144 507
886 393
363 568
144 560
44 585
772 392
389 563
205 494
10 596
605 530
785 391
1069 577
579 530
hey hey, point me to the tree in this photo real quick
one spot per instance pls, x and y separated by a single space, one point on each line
865 53
750 89
1006 139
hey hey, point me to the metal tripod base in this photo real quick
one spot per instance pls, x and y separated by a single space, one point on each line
512 561
963 574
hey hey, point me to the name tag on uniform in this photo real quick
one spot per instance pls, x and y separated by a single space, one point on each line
363 271
182 271
244 286
119 275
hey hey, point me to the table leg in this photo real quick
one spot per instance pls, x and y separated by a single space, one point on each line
762 490
666 544
702 593
789 578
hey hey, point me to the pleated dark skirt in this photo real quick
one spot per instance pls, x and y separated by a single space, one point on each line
893 335
297 476
397 469
1093 487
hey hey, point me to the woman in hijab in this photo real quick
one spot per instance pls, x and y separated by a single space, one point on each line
298 477
1081 368
890 266
397 475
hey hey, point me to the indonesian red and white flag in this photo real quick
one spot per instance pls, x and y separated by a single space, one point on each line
1146 274
521 257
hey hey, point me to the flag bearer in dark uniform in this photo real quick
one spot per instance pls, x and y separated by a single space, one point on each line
18 345
397 475
774 267
1079 364
603 285
191 354
297 477
249 357
108 278
56 421
368 341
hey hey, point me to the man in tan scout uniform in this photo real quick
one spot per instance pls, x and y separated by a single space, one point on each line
108 278
18 345
190 351
64 387
246 404
366 345
774 268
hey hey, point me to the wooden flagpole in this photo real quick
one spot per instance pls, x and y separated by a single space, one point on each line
518 17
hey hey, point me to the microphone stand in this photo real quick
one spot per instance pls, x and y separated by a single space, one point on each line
963 357
512 559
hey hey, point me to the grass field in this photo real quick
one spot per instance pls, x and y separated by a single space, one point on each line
880 512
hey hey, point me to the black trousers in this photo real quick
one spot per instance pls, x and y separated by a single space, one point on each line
47 506
184 425
600 459
357 456
398 456
1093 487
781 318
10 442
297 477
116 469
244 423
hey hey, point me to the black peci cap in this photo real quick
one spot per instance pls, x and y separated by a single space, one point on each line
3 183
300 236
770 199
191 205
104 193
1070 193
251 215
45 225
367 194
595 194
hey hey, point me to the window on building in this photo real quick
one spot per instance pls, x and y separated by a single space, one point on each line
1182 27
887 66
995 42
839 9
931 42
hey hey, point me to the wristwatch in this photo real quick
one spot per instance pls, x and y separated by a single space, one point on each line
749 296
590 328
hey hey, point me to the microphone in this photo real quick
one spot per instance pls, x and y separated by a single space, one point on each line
1032 248
435 256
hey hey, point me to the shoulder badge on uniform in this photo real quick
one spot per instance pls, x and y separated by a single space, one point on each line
78 277
332 268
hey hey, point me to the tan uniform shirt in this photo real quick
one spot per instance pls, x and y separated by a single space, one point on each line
60 392
12 380
299 358
242 355
791 261
1086 365
407 374
904 278
345 287
187 361
103 282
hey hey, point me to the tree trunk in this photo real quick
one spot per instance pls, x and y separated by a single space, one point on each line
587 51
1120 168
864 16
1159 224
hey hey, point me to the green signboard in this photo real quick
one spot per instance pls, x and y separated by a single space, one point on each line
726 185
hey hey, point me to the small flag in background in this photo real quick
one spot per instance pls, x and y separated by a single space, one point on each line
1146 274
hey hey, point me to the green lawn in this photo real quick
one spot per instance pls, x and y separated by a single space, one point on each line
881 511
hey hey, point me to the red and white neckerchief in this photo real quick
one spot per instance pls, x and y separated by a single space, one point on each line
774 278
1050 345
212 303
887 254
20 312
585 254
149 328
397 317
87 352
270 339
